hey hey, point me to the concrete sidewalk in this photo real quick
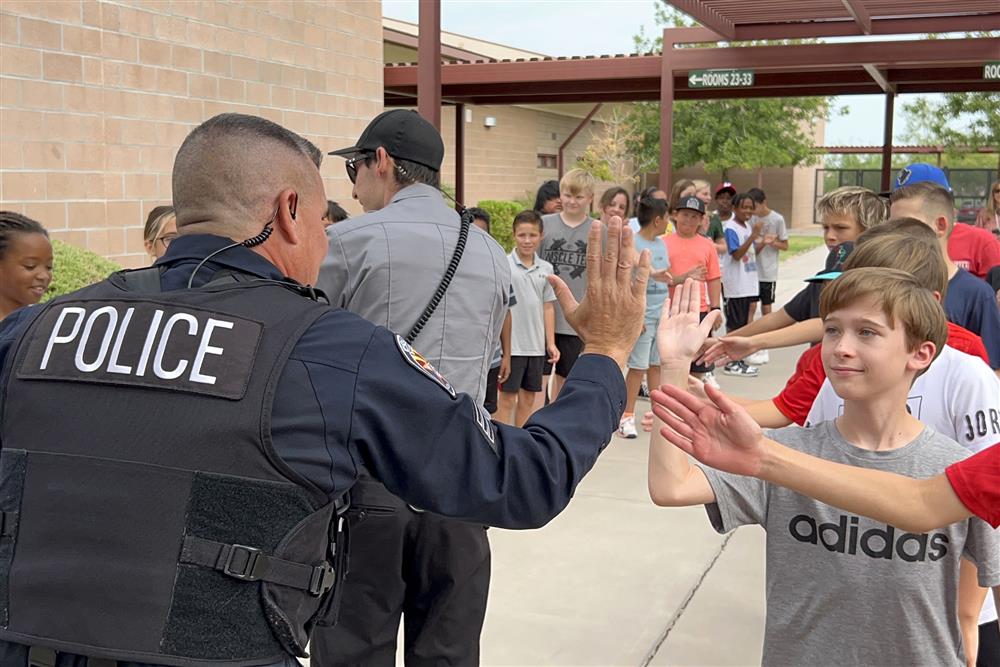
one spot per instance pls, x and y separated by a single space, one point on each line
615 580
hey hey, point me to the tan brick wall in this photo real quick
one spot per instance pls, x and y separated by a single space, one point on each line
96 96
501 161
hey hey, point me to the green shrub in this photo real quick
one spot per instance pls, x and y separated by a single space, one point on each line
501 219
73 268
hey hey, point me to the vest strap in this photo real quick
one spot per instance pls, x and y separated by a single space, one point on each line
8 524
251 564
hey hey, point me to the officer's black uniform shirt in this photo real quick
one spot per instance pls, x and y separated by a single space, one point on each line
350 399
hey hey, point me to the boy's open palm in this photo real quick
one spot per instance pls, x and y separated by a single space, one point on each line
717 432
680 335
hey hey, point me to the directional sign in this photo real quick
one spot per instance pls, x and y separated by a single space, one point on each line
720 78
991 71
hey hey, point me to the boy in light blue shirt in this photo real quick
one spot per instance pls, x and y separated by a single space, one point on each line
644 359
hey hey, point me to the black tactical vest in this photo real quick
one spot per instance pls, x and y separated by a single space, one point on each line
145 514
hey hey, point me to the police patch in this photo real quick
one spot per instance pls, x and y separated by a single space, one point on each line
416 360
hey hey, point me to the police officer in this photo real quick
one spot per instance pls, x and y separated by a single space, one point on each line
385 266
177 441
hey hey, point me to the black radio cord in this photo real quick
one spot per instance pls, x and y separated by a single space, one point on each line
463 235
248 243
456 257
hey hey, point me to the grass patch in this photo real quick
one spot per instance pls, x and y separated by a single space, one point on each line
800 244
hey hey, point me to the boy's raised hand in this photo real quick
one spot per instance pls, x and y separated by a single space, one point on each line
679 335
717 432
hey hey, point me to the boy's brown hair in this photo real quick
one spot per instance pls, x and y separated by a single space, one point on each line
577 182
937 200
528 217
900 296
860 204
906 244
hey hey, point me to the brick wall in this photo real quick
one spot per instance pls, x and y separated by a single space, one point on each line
501 161
96 96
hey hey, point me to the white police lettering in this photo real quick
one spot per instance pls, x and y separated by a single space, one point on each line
107 327
113 365
204 348
56 339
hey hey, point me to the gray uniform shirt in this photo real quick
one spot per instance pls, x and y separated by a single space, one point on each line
386 265
847 590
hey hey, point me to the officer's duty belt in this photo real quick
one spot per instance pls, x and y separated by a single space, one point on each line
252 564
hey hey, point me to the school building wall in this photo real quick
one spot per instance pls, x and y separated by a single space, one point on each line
502 161
97 95
790 191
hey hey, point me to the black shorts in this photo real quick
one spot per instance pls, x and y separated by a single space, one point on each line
766 292
491 390
525 373
570 348
738 312
696 367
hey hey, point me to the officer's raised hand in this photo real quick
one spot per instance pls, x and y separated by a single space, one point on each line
609 318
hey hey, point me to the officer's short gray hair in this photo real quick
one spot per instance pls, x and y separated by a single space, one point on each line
231 167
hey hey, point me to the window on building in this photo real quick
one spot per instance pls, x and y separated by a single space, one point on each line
546 161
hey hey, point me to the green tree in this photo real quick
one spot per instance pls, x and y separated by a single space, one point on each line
725 134
957 121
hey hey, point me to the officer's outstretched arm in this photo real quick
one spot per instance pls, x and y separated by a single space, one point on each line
440 451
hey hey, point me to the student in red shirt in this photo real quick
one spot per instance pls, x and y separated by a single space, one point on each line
974 249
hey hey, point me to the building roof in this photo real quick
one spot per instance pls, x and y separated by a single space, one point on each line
454 46
743 20
863 67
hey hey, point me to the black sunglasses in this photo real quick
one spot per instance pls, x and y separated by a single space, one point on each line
352 165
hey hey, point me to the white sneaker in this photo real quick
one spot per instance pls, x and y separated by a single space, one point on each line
758 358
709 378
740 369
626 428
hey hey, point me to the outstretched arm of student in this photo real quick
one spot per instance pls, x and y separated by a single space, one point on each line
673 481
776 319
914 505
738 347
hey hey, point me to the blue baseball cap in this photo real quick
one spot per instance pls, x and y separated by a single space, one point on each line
920 172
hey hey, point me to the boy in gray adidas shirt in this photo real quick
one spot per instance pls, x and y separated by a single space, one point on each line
841 589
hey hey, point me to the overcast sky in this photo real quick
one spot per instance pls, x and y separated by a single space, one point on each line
594 27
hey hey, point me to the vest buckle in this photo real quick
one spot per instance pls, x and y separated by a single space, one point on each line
322 580
245 563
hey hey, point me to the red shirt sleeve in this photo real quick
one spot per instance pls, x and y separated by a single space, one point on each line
800 391
976 481
964 340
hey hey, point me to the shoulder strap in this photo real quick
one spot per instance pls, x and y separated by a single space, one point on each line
142 281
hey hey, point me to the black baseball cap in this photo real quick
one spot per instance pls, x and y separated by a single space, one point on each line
692 203
404 134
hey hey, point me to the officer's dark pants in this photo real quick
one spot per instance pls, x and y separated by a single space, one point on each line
434 571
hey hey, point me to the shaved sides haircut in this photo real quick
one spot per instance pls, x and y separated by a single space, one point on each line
231 168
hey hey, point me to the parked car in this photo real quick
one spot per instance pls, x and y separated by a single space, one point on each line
967 212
